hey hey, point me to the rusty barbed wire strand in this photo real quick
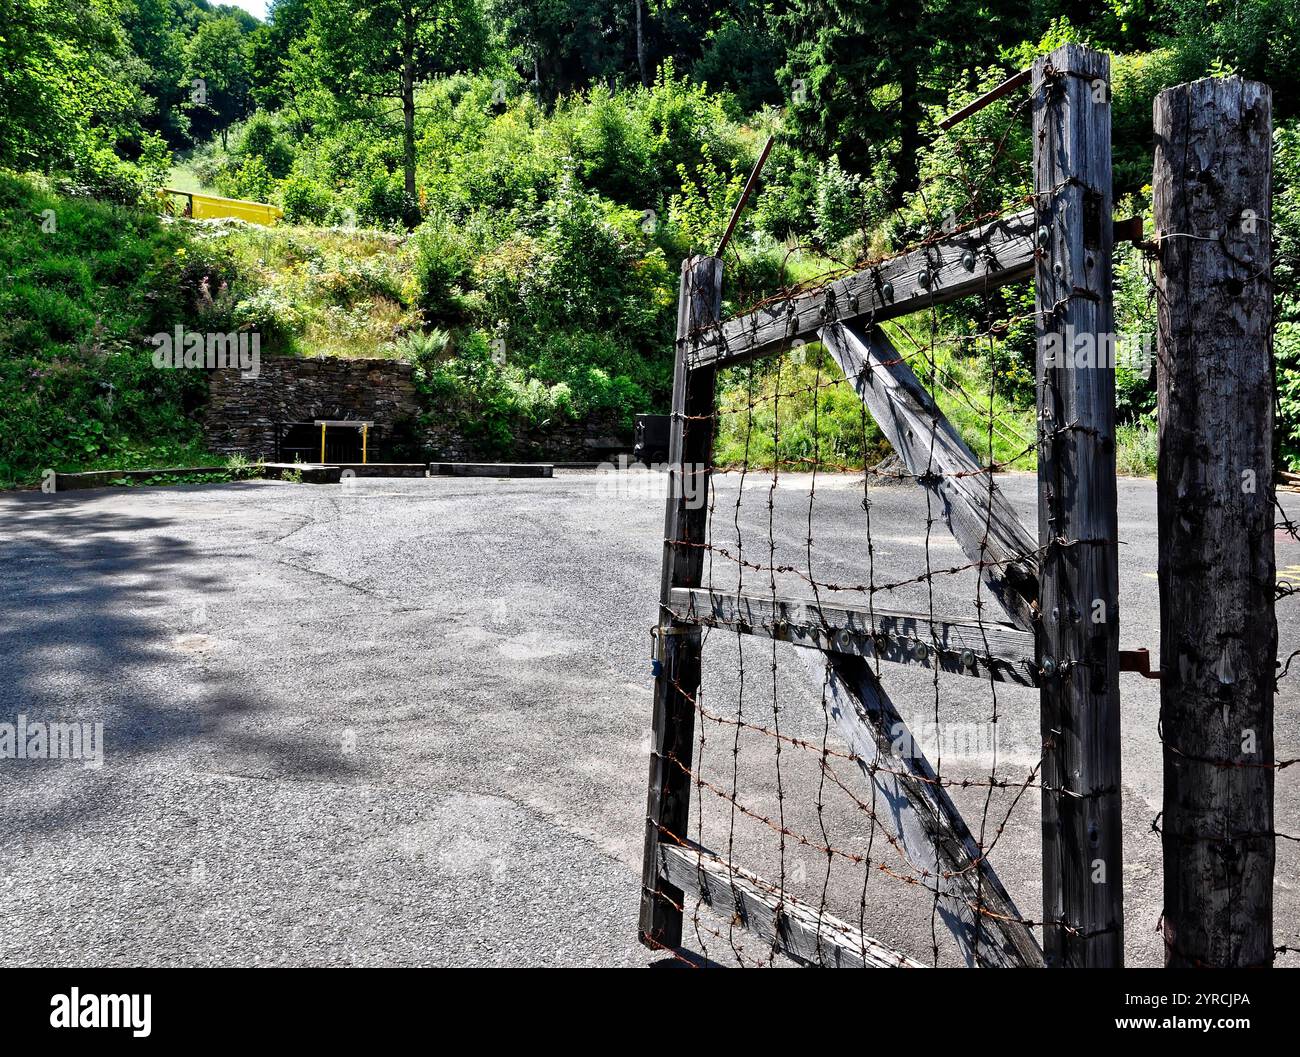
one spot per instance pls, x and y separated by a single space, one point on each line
785 384
938 782
919 877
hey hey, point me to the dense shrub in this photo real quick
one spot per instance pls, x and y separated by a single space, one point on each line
1286 272
88 283
305 201
263 136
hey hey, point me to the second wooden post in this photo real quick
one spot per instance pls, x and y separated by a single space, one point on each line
1078 625
1218 635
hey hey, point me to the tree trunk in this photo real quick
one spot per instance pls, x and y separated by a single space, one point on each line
408 119
1218 636
910 116
640 44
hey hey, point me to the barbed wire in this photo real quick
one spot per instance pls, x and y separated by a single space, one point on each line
764 390
787 788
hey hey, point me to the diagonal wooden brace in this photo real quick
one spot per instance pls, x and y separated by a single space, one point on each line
973 903
974 509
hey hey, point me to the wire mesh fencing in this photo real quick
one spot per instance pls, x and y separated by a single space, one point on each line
875 682
848 809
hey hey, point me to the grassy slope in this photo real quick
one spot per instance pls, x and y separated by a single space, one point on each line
182 177
81 283
80 296
337 292
77 304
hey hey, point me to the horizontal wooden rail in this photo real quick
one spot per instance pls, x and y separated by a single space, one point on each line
798 930
963 647
967 262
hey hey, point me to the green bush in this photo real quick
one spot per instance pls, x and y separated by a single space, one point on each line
442 257
784 210
1135 321
1137 447
382 200
262 136
305 201
249 179
837 203
77 385
1286 307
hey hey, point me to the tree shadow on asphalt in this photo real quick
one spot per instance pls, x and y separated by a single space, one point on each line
86 637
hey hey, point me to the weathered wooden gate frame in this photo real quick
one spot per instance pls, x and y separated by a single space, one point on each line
1059 588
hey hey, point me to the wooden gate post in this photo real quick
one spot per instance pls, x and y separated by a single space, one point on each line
1218 636
1078 627
690 454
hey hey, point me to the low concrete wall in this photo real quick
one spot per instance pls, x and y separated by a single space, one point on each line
384 469
306 472
490 469
72 482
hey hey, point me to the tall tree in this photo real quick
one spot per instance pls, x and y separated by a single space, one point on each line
568 44
70 96
641 58
862 72
218 59
287 23
157 35
1259 39
368 53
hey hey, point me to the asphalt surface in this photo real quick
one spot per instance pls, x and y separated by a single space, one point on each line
406 723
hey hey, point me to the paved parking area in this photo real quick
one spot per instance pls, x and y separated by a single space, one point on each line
406 723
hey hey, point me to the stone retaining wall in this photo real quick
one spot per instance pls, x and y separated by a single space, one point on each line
242 412
592 439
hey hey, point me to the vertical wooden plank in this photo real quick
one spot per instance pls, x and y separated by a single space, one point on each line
1078 630
1218 635
690 453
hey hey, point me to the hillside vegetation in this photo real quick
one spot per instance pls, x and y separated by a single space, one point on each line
507 207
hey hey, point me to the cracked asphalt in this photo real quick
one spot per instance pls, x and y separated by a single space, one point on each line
405 723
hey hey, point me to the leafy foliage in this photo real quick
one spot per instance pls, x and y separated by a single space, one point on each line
501 192
76 382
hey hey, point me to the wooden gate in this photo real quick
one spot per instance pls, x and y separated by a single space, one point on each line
1057 586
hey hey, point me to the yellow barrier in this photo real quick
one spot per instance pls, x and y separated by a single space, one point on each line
350 424
205 207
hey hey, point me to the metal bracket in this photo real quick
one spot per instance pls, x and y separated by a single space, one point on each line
1130 230
1137 661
